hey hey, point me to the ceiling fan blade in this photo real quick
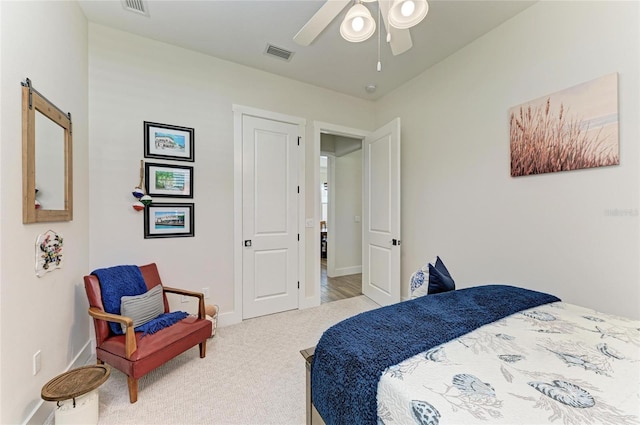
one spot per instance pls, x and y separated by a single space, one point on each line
319 21
400 41
400 38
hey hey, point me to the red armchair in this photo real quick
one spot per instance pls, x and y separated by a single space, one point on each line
133 354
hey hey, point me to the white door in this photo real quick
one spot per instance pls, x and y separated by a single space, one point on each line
270 216
381 215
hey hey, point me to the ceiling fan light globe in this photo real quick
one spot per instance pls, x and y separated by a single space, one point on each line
399 8
407 8
358 25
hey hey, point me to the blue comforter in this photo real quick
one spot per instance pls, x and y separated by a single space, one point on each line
351 356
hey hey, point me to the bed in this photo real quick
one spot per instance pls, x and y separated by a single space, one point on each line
492 354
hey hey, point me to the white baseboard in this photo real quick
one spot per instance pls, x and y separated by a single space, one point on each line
233 318
44 409
345 271
309 302
228 318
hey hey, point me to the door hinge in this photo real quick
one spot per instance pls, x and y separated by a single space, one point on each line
298 189
27 83
298 140
298 284
298 237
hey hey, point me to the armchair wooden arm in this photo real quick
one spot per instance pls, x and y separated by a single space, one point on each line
130 335
186 292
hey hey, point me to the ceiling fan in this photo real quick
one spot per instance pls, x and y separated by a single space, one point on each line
358 25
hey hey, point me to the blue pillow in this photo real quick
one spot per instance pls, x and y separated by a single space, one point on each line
439 278
441 267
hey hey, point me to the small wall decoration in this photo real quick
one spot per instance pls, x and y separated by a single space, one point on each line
168 221
169 180
573 129
142 198
48 252
137 191
168 141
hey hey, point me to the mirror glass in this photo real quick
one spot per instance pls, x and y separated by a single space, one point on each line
49 151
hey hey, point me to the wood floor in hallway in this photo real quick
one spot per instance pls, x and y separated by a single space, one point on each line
338 288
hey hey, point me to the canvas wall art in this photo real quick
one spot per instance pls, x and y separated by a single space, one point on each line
572 129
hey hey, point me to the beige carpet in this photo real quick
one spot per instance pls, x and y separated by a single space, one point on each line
253 374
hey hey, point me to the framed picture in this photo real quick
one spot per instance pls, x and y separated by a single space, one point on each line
168 141
572 129
168 180
168 221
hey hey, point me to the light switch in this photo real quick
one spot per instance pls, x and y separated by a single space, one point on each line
357 219
308 222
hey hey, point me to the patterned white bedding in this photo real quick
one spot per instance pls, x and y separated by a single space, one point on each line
556 363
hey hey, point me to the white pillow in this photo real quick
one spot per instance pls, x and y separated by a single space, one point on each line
142 308
419 282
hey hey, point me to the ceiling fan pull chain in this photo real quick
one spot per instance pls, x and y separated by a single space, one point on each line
379 67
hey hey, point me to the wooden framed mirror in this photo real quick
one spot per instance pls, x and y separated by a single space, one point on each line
47 179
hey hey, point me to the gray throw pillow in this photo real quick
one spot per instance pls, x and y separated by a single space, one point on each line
142 308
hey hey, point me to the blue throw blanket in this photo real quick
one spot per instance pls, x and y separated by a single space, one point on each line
119 281
161 322
352 355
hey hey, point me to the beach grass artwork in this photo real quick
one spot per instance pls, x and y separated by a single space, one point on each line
572 129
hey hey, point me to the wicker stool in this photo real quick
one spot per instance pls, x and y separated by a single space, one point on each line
77 383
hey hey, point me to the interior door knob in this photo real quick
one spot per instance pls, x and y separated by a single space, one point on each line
247 242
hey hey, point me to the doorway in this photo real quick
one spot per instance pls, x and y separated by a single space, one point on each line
380 210
341 217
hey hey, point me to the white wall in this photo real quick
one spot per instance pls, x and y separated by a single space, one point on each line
347 198
548 232
47 42
133 79
1 204
324 195
345 145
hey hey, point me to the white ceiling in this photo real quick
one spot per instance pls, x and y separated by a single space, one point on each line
239 30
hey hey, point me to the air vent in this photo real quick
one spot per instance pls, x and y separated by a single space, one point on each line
136 6
278 52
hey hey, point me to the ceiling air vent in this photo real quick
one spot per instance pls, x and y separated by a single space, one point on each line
278 52
136 6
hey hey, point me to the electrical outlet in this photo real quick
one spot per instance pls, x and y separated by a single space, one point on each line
37 362
205 291
184 299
